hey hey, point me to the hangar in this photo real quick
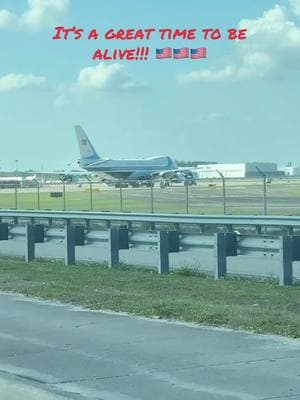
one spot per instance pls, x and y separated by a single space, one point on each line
238 170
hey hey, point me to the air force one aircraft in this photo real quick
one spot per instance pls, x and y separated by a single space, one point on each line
125 169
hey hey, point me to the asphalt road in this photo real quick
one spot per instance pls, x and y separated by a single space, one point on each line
51 351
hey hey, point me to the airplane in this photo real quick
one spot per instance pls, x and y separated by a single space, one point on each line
136 172
17 181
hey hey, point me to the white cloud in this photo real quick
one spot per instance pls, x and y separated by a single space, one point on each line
295 7
272 46
19 81
208 75
102 78
7 18
61 100
38 15
106 77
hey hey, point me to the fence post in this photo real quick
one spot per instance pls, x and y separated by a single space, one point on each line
16 198
187 195
29 242
38 196
121 197
163 252
91 192
220 255
69 244
264 177
224 191
286 261
64 195
151 196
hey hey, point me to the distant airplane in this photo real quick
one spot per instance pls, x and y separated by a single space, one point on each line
16 181
142 169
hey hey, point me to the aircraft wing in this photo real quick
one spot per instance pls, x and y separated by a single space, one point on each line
173 173
64 175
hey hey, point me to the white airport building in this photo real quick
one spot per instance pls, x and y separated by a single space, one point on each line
240 170
289 170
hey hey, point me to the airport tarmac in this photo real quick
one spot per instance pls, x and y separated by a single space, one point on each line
51 351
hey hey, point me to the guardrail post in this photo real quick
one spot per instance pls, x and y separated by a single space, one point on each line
286 260
229 228
113 247
3 231
129 225
79 233
258 229
163 252
220 255
202 228
87 224
29 242
69 244
39 233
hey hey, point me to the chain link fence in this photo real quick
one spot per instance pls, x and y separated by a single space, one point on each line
252 196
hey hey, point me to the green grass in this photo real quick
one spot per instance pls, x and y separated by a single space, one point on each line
202 201
259 306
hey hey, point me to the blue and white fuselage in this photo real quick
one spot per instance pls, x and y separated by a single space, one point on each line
127 169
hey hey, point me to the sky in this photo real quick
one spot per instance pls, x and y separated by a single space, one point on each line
239 104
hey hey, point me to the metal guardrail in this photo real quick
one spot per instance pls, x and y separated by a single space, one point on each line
27 225
228 221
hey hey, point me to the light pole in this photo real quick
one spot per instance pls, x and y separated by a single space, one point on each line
17 165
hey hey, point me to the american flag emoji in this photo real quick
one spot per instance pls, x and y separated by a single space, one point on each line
181 53
164 53
198 53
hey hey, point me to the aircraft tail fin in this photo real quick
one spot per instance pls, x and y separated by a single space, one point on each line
85 147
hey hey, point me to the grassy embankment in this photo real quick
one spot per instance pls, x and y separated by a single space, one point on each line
259 306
